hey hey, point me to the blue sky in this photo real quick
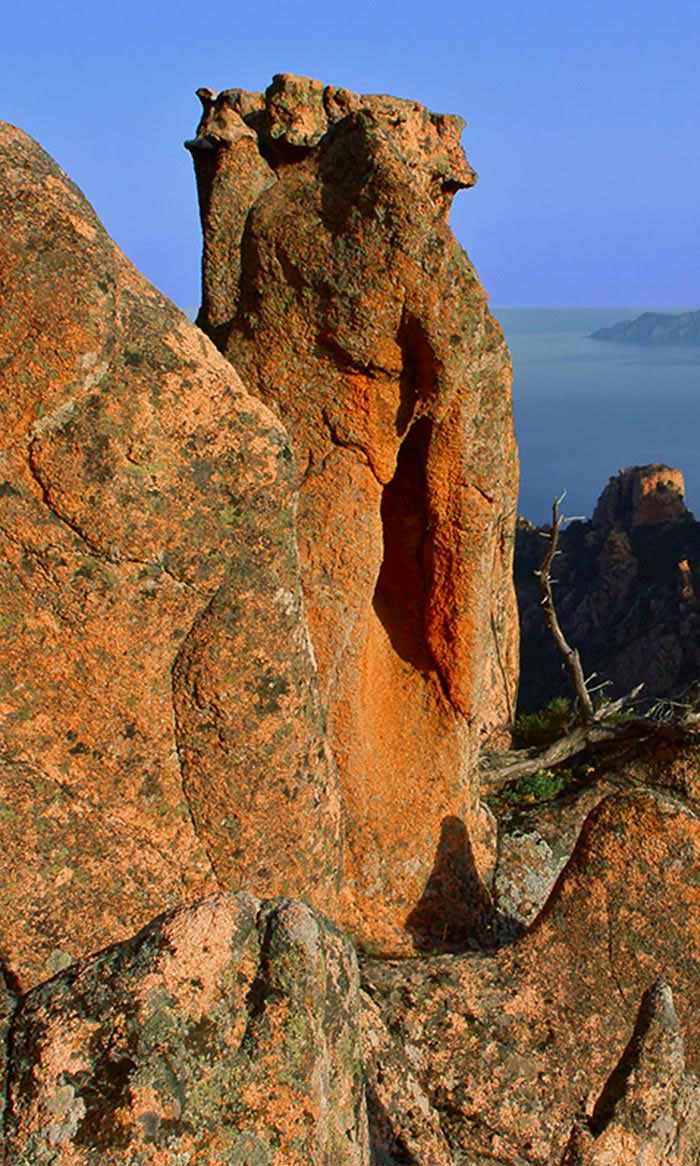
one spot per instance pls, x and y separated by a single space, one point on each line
582 123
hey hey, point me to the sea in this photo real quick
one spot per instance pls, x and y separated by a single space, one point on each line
585 409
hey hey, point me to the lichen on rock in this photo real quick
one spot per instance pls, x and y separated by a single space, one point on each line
224 1032
332 282
155 653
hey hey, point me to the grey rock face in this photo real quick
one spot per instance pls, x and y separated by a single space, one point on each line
226 1032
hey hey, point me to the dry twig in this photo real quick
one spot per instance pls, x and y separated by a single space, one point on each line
586 712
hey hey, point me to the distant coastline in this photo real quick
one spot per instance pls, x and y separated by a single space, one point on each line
583 410
654 328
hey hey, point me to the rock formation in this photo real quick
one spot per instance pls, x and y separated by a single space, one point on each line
161 728
167 706
226 1032
333 284
627 586
508 1051
641 496
649 1109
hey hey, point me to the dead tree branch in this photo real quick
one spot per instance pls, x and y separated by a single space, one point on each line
586 712
596 730
499 769
609 739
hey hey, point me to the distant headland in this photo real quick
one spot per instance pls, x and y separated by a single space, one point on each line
654 328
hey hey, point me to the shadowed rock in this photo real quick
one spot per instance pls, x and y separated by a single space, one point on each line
627 587
511 1048
332 281
649 1109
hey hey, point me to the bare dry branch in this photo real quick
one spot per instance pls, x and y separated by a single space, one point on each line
586 712
499 769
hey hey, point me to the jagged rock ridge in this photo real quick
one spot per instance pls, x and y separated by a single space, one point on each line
627 586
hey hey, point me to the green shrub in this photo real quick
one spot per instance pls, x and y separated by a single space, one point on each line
540 729
543 786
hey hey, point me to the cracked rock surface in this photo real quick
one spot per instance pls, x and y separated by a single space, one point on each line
158 696
333 283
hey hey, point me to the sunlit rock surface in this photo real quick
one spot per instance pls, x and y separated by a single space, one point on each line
161 732
332 282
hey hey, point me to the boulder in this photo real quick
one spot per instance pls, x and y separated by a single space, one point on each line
332 281
227 1031
162 732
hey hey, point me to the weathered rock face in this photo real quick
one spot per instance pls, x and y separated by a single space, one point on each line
224 1032
642 496
649 1109
535 842
163 727
161 724
627 592
508 1052
333 283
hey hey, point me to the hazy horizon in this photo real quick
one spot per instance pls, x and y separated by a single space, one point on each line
585 409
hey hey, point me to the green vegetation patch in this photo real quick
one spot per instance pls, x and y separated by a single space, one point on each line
542 786
537 730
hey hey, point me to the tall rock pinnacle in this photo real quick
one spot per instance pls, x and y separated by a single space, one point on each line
334 285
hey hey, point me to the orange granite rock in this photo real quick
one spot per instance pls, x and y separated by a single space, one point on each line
649 1109
642 496
513 1049
225 1032
161 732
332 282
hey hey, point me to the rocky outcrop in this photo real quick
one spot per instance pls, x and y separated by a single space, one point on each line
654 328
223 1032
161 726
164 717
641 496
627 587
649 1109
535 842
510 1051
235 1030
333 284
